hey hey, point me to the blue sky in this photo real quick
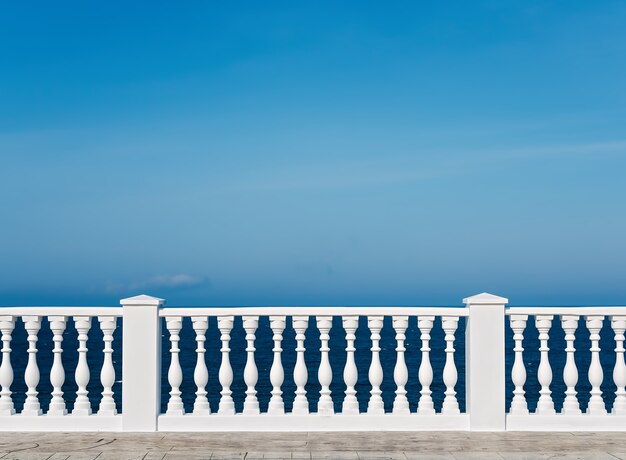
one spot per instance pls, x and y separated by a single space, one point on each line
241 153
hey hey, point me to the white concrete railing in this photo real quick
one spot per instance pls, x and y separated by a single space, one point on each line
145 321
571 416
300 417
30 418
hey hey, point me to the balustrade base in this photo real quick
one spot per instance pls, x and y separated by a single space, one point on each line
563 422
46 422
315 422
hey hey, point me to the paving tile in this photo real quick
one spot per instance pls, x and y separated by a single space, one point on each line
75 455
477 456
228 456
429 456
367 455
188 456
27 456
131 455
335 455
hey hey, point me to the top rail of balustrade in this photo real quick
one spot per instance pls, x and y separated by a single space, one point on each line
61 311
314 311
575 311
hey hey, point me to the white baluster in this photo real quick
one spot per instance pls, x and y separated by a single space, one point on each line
300 374
57 373
107 373
518 373
31 376
400 371
7 324
570 372
618 323
375 405
425 404
227 406
201 372
596 403
175 373
82 406
450 375
277 373
350 372
250 372
545 405
325 373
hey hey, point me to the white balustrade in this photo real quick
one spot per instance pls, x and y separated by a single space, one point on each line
175 373
400 371
450 375
596 403
201 372
375 405
518 373
325 373
57 372
350 372
250 372
31 375
225 375
618 323
7 324
425 404
300 375
140 318
570 372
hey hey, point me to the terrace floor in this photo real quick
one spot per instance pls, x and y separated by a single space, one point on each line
339 446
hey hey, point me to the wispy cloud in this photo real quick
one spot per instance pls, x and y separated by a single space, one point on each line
177 282
410 167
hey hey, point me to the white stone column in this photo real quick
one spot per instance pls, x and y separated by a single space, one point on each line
175 404
618 323
595 374
425 404
300 373
201 372
250 371
450 374
484 362
57 373
545 405
141 367
375 374
7 325
570 372
107 373
350 372
225 374
519 406
31 374
325 373
276 404
400 370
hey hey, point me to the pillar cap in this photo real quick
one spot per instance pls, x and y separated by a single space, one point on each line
485 298
143 299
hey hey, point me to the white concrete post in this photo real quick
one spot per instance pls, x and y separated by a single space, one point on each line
484 362
141 368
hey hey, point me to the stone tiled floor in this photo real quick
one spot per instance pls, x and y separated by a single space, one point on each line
339 446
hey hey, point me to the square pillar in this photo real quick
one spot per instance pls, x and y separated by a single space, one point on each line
141 363
484 362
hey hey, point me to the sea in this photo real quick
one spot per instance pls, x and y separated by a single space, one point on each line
264 357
